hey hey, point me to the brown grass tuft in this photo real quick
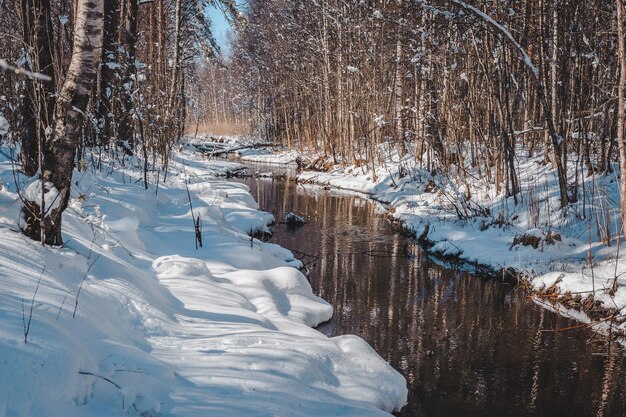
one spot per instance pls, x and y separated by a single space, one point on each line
218 128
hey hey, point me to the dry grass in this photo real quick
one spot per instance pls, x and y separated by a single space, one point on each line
227 129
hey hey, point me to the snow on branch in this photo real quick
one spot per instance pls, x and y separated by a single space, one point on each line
504 31
36 75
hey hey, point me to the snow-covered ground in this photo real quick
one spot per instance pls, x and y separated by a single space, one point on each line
128 318
267 156
572 257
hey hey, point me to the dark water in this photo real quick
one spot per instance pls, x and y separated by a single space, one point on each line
468 346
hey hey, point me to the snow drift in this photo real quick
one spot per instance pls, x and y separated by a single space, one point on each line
128 318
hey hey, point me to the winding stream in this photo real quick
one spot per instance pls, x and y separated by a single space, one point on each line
468 346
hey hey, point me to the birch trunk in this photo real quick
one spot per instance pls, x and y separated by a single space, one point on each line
43 223
176 62
621 50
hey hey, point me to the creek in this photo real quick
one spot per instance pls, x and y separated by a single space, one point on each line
467 345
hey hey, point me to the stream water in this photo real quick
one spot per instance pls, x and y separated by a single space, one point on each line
468 346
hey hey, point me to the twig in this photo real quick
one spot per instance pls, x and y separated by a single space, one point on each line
615 274
581 325
118 386
32 306
62 304
593 277
133 371
81 286
197 226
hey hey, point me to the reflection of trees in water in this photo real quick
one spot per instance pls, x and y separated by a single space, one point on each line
466 345
536 359
611 371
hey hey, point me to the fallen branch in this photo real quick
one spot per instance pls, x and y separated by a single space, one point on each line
213 153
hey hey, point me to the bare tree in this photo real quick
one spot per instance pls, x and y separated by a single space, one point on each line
38 96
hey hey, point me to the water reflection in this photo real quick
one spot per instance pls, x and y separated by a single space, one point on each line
467 346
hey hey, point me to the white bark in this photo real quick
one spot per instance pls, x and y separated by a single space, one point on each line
68 120
621 51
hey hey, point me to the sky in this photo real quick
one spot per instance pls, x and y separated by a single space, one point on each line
221 29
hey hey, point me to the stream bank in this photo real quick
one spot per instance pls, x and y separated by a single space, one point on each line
466 345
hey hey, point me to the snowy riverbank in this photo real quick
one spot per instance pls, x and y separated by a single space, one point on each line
572 263
163 329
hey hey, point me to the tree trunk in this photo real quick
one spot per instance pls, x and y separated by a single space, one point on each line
127 42
621 51
109 74
41 222
555 136
174 88
38 100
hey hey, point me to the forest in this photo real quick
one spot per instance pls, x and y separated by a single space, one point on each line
464 87
107 74
178 211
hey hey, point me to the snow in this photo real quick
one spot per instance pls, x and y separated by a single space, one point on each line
4 126
35 75
446 248
335 178
163 329
33 193
293 220
380 120
268 157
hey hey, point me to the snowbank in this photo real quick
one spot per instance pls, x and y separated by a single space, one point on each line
268 156
129 318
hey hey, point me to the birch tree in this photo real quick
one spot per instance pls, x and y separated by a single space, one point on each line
47 198
621 139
